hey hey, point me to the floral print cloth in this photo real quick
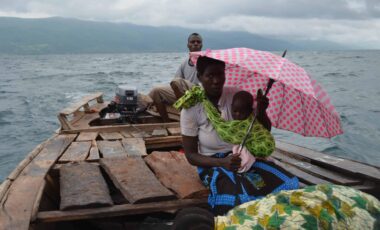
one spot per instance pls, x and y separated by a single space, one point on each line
314 207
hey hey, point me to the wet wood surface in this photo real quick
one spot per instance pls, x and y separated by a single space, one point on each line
175 172
17 208
134 146
111 149
135 180
83 186
77 151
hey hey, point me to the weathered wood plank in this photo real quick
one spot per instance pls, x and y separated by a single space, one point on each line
126 134
159 133
111 149
17 208
134 146
127 128
331 162
302 176
174 131
77 151
157 142
135 180
118 210
140 134
334 177
94 151
87 136
175 172
111 136
83 186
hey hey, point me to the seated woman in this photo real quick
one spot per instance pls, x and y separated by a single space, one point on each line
208 141
313 207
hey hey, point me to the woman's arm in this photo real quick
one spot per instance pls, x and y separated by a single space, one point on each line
190 144
262 105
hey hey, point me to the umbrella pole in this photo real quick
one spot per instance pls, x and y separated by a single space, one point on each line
269 86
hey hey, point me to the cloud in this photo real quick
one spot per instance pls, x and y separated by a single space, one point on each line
343 21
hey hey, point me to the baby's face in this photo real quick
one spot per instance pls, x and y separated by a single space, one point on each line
240 110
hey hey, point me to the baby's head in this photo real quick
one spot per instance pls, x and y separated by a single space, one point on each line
241 106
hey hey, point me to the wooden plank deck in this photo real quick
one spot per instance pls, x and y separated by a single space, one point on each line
134 146
77 151
87 136
111 149
331 162
135 180
302 176
94 151
18 205
111 136
334 177
83 186
175 172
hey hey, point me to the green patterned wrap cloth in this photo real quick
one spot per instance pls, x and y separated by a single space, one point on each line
260 142
311 208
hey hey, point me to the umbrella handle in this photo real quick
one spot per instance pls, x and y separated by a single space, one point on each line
269 85
271 81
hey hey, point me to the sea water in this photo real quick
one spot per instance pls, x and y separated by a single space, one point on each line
33 89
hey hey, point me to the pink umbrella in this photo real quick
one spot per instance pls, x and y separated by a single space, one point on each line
296 102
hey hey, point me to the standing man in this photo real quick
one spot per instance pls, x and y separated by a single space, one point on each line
184 79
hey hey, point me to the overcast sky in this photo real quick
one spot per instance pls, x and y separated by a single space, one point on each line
349 22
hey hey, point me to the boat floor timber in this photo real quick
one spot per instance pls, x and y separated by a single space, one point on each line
134 176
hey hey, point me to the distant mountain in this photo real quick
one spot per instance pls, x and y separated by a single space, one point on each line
63 35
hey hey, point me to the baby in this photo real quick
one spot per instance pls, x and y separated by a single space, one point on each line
241 109
241 106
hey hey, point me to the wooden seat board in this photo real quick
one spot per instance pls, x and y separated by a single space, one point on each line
135 180
17 208
118 210
87 136
343 165
111 149
134 146
334 177
83 186
302 176
77 151
175 172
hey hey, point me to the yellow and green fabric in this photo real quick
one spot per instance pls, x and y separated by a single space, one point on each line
313 207
260 142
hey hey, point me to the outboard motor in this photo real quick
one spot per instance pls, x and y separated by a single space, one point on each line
124 107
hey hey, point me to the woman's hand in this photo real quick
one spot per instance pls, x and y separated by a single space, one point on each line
231 162
262 102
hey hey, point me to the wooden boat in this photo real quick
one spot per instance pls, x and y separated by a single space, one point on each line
125 176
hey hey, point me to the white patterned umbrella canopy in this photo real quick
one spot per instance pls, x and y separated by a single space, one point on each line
296 102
